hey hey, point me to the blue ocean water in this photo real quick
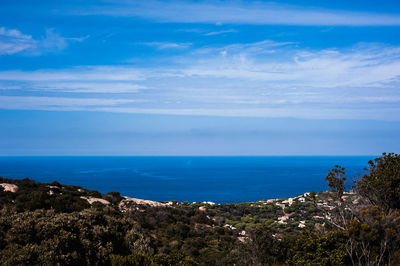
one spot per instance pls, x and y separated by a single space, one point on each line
218 179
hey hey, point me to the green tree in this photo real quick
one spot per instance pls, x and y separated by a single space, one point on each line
381 184
372 217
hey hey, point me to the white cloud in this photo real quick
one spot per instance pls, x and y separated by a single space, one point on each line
88 87
219 32
97 79
240 12
282 63
58 103
128 106
84 73
269 79
12 41
315 113
168 45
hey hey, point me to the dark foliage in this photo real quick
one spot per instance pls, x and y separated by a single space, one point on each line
53 224
381 184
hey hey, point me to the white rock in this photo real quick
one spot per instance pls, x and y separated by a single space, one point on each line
124 204
230 226
290 200
283 218
9 187
92 200
242 239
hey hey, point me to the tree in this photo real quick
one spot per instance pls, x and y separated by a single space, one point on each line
372 217
263 246
381 184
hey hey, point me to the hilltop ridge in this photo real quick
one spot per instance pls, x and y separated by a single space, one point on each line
52 223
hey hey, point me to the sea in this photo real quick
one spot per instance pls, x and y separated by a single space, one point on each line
188 178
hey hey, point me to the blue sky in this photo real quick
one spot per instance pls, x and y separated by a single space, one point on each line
199 77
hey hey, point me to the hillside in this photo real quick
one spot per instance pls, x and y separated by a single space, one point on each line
52 223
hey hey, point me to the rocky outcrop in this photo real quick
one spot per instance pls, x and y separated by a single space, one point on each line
92 200
127 203
9 187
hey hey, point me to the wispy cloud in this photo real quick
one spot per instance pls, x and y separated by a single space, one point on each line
59 103
87 87
261 79
219 32
82 73
99 79
168 45
237 12
273 62
13 41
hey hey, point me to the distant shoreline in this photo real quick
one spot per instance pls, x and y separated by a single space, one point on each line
193 179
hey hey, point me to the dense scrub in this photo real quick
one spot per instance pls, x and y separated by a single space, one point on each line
54 224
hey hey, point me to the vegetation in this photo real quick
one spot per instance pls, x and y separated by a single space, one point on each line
55 224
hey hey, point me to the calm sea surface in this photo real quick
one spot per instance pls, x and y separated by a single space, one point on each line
218 179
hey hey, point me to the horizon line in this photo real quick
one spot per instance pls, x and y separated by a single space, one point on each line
314 155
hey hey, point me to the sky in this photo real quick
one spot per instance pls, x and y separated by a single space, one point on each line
119 77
